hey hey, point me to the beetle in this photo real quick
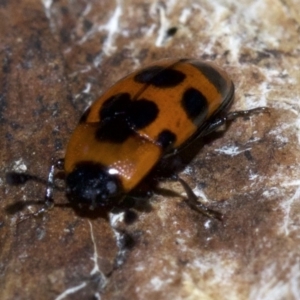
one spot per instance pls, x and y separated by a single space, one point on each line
148 115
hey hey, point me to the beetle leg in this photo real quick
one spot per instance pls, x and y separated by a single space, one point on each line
14 178
48 199
195 204
219 121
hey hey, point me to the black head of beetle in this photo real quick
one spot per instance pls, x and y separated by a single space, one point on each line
91 184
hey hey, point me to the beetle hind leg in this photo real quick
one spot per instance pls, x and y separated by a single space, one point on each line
194 203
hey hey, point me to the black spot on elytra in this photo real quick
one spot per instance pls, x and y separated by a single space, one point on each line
166 138
141 113
212 75
115 106
115 131
120 117
195 105
160 77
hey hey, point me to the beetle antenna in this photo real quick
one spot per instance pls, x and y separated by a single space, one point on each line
15 178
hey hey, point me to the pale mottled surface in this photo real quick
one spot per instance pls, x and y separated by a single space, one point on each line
251 172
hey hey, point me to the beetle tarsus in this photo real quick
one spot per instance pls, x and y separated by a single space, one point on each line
244 113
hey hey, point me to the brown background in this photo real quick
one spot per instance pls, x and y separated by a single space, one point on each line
59 56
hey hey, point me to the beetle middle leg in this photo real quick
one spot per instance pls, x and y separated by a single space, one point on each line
211 126
221 120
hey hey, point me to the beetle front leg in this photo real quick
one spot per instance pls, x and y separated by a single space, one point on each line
15 178
48 199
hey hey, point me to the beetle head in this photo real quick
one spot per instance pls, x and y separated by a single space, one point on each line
90 184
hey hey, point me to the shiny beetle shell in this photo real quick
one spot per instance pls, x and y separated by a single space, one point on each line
144 116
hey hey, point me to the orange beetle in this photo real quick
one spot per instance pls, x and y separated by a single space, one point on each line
145 116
